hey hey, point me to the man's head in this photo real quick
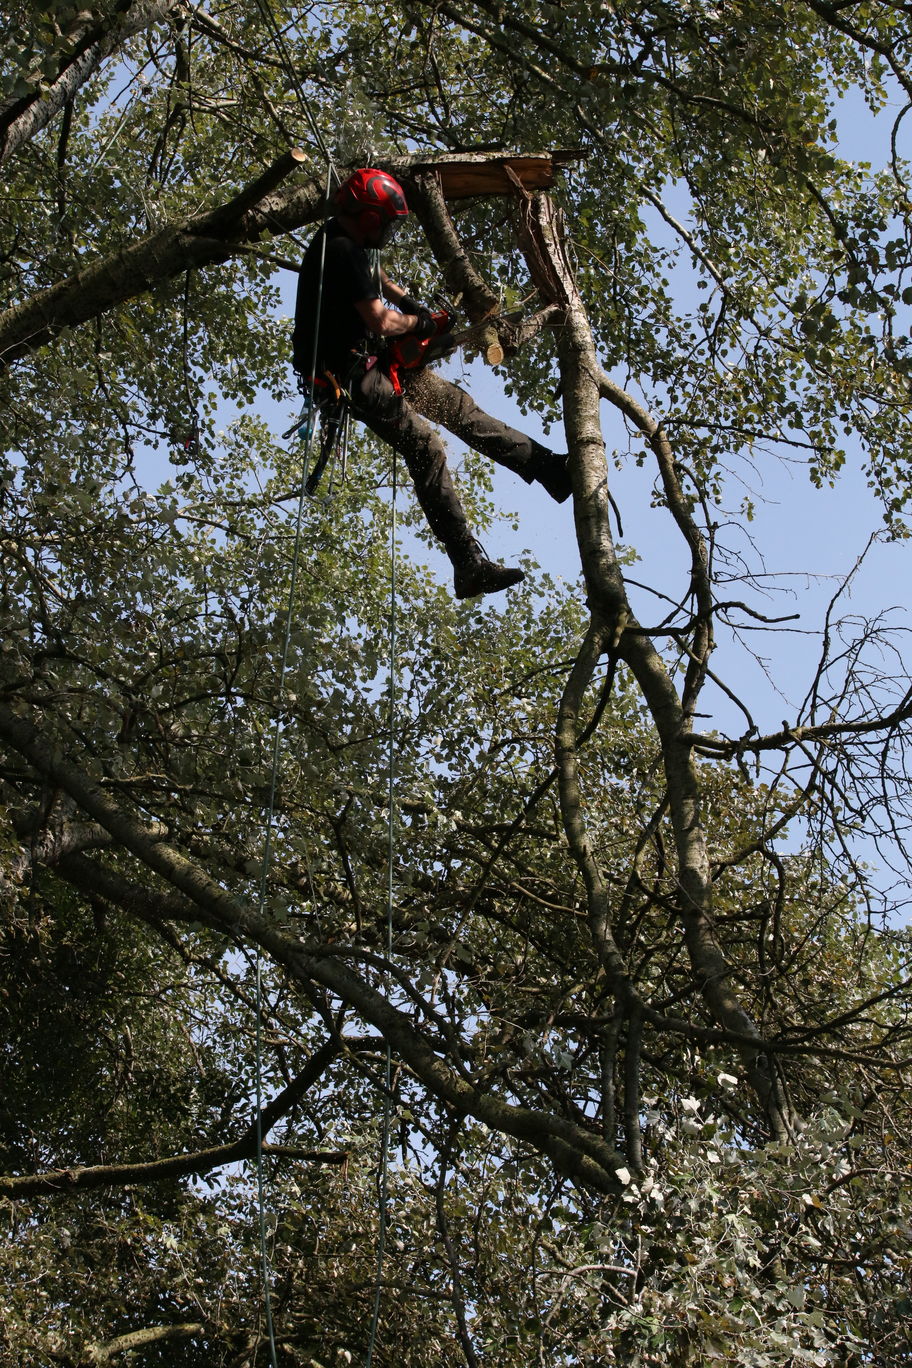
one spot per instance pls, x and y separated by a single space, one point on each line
370 205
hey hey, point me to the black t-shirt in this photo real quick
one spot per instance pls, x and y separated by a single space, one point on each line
348 277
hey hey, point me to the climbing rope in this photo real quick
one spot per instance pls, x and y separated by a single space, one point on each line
383 1178
309 428
290 71
261 903
386 1124
270 811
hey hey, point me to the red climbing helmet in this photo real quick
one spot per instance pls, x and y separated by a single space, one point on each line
376 200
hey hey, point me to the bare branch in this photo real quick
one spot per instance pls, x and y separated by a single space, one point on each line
574 1149
791 736
97 1354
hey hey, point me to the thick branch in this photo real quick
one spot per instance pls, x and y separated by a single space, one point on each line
193 242
48 843
22 118
574 1149
66 1180
506 335
677 504
597 640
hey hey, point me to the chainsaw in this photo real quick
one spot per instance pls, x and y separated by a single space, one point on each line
411 353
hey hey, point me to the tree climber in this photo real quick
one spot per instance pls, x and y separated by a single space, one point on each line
339 282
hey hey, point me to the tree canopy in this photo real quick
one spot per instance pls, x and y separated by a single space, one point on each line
564 1024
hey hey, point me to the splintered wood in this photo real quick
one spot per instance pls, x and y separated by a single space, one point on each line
464 177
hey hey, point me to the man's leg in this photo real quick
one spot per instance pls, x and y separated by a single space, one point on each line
387 414
447 404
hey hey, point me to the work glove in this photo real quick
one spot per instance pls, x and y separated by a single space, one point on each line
426 325
408 304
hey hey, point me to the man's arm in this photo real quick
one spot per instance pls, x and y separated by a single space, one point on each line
391 291
385 322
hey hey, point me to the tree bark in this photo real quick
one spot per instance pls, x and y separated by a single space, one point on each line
95 1355
201 240
460 276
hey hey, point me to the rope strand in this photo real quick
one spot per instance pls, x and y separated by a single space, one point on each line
383 1180
292 75
270 819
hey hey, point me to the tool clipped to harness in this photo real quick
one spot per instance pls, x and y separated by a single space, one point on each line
333 437
324 400
304 424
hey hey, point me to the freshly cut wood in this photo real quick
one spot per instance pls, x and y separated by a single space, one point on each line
463 177
494 352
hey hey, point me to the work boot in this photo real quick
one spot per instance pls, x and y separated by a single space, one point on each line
550 471
474 574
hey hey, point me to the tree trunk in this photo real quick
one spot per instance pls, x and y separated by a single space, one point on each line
613 620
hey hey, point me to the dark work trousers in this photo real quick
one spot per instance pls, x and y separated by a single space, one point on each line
400 420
